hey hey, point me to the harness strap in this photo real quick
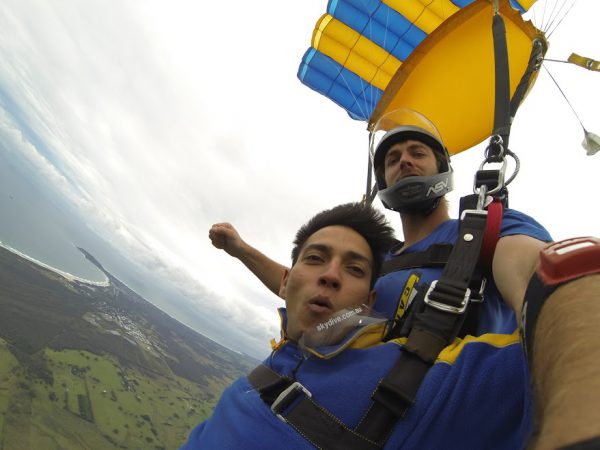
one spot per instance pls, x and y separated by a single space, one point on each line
435 255
492 231
456 277
394 396
434 327
293 404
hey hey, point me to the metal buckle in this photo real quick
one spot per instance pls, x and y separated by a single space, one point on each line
500 180
478 296
286 397
443 306
475 212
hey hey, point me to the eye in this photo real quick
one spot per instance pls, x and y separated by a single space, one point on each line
391 160
313 258
356 270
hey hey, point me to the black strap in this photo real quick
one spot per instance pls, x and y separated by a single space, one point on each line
502 103
435 256
433 328
457 274
308 418
535 61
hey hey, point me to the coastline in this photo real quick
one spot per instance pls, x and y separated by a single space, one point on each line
68 276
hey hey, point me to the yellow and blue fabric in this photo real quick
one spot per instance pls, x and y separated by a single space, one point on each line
476 395
360 46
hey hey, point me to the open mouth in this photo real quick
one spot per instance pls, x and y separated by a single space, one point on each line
320 305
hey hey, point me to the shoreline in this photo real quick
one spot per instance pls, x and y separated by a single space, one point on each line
66 275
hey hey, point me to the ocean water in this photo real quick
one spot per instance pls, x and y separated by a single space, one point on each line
33 223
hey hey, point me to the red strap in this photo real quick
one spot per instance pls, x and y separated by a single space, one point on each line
492 232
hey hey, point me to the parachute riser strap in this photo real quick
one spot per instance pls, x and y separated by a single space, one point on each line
502 117
535 62
293 404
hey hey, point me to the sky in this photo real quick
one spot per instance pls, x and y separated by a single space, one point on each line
131 126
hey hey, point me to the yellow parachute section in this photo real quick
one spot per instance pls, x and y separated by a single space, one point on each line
450 77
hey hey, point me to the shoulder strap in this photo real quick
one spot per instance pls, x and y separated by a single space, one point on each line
434 327
293 404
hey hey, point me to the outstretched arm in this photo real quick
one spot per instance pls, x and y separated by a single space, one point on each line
566 351
566 364
225 237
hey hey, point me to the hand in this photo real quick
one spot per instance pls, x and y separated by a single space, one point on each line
225 237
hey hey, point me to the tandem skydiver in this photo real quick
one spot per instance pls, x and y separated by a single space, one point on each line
445 385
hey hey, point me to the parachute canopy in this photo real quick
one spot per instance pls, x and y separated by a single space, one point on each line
435 57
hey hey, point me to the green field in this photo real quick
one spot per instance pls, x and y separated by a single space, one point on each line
86 401
99 367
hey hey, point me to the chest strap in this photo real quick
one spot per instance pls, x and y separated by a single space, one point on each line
293 404
435 255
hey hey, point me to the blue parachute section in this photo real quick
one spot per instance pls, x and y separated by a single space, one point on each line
348 90
383 27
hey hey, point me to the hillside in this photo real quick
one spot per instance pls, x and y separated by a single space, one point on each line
86 366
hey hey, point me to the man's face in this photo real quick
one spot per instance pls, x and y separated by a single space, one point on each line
333 272
409 158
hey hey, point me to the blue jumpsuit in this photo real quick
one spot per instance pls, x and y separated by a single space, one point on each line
477 394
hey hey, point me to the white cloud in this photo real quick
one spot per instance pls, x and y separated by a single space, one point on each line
159 119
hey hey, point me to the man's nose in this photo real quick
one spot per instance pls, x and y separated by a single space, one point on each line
405 160
331 277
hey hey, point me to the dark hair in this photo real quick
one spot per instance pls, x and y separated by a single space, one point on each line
364 219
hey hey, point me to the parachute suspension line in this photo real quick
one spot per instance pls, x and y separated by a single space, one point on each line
547 24
369 103
354 96
566 99
591 141
556 60
543 15
371 190
562 16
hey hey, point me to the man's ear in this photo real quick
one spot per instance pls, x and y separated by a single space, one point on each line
371 298
283 284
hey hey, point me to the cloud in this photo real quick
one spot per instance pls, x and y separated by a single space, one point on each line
154 121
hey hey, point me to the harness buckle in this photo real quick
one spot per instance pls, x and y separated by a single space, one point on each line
285 399
477 297
476 212
444 306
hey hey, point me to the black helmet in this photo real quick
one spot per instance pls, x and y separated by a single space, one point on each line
412 194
